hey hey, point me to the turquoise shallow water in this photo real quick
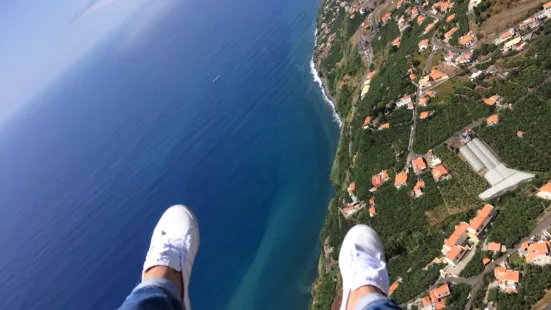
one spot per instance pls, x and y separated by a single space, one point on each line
209 104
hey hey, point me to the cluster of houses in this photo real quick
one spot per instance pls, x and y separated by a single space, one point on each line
457 58
436 298
514 40
454 247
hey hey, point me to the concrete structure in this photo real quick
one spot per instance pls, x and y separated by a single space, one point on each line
502 179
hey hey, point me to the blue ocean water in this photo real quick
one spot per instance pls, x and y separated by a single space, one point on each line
206 103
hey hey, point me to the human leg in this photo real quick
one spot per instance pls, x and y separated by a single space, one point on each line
168 264
363 269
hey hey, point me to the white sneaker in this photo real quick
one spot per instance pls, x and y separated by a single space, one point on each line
174 244
362 261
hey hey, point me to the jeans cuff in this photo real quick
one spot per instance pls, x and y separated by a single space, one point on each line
170 287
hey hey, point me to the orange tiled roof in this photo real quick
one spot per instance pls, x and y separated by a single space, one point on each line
424 115
535 250
440 305
386 17
439 171
423 42
435 74
450 33
370 74
494 246
506 35
499 271
466 39
547 5
384 126
439 292
393 287
450 18
429 93
401 178
352 186
424 102
486 261
546 188
420 184
412 77
384 175
372 200
511 275
419 164
426 301
367 121
414 11
372 211
489 101
396 42
494 119
421 19
376 180
459 231
478 221
454 253
429 27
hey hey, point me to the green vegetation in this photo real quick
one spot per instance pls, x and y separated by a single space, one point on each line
475 266
533 283
517 214
386 35
458 298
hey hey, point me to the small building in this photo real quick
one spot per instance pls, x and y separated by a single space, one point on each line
419 165
492 100
384 126
486 261
457 238
507 35
414 12
465 58
431 93
520 134
412 77
396 42
420 19
492 120
378 179
440 292
480 221
399 4
536 253
394 286
385 18
423 44
429 27
425 114
507 279
545 191
494 247
401 179
516 44
436 75
372 211
367 122
351 188
418 189
450 56
424 101
455 255
529 23
404 101
547 8
439 173
450 18
467 40
448 35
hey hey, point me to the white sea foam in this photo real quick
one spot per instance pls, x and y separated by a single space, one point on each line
317 79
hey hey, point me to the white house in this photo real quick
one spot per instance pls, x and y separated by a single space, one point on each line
404 101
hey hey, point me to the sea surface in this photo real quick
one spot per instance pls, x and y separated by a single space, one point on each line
207 103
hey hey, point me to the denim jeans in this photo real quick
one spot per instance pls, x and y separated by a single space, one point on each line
161 294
